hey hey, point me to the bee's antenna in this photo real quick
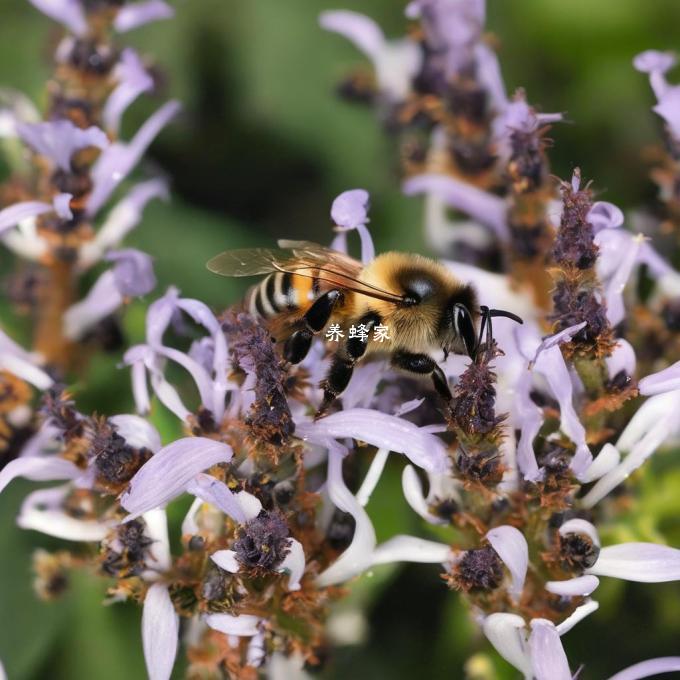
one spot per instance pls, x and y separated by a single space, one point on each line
485 325
504 313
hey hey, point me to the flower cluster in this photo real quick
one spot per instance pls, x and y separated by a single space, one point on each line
513 477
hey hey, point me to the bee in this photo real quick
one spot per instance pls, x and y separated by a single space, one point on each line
309 287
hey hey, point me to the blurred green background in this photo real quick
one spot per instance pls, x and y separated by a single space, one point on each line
260 151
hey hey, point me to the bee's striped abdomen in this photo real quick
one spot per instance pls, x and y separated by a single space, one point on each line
281 292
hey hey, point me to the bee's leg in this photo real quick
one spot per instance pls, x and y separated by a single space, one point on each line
314 320
343 362
423 365
465 328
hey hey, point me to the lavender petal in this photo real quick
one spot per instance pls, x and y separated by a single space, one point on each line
484 207
101 301
359 29
383 431
217 493
648 668
512 548
167 474
132 272
580 613
12 215
67 12
580 586
160 630
132 80
137 14
350 208
665 380
119 159
548 659
122 219
59 140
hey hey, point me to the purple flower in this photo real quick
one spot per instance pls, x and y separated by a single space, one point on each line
350 211
122 219
16 360
482 206
654 423
70 13
133 15
668 97
132 272
131 276
132 80
452 28
14 214
118 160
59 140
396 62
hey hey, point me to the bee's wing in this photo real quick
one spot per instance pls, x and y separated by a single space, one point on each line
302 258
249 261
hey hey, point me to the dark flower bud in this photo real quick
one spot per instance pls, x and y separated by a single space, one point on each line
263 541
479 569
578 551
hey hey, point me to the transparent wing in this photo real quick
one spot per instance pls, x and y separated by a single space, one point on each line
302 258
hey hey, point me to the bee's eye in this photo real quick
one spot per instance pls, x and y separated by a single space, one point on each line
417 289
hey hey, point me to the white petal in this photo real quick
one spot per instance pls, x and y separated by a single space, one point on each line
41 511
621 359
25 370
294 564
413 493
159 558
250 505
411 549
577 616
38 469
137 432
358 28
642 562
573 587
357 556
101 301
608 458
226 559
372 477
189 525
506 632
548 659
244 625
512 548
160 628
